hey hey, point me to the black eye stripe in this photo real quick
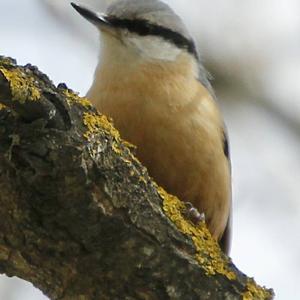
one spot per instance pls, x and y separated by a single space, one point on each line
144 28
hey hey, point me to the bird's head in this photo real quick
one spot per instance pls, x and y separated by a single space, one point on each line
141 30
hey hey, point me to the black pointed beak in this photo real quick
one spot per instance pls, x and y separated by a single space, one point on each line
91 16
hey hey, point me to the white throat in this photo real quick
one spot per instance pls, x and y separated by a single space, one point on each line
153 47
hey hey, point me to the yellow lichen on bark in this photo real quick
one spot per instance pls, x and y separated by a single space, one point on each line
256 292
23 87
208 253
95 122
73 97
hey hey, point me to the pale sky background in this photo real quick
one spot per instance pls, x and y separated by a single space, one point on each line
252 47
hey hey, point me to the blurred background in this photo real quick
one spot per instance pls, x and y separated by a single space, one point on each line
252 48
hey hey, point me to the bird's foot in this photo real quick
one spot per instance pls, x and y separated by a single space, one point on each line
192 214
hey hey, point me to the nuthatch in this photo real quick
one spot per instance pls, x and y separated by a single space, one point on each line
150 81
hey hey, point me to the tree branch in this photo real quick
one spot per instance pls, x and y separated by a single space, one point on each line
81 219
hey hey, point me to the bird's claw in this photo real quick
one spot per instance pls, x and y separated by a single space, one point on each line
193 214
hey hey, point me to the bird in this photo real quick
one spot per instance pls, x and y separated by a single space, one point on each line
150 80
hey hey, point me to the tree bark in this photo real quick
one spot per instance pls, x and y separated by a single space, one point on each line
80 217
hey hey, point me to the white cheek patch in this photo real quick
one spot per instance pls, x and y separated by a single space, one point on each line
154 47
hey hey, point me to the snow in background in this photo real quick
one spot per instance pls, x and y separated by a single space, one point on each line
253 49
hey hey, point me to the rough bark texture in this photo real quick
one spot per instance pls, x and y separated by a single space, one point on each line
81 219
